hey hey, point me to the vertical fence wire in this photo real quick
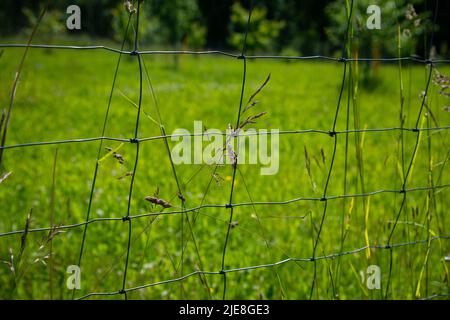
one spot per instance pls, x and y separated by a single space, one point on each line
186 223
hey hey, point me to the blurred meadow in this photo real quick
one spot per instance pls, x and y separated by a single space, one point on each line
63 95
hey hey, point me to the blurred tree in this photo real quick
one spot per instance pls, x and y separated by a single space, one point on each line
378 42
179 21
176 23
217 16
53 25
308 27
384 40
12 18
306 22
442 36
120 17
263 33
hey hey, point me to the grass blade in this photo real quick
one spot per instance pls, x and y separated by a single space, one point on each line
250 100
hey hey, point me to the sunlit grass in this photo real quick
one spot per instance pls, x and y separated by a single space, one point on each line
63 95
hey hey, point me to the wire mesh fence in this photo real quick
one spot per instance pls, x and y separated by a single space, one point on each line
189 214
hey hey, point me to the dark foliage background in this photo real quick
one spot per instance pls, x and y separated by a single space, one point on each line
304 30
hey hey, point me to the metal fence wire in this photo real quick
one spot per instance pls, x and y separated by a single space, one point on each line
230 207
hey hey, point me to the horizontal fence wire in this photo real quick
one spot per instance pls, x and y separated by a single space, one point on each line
278 263
244 134
230 54
225 206
182 210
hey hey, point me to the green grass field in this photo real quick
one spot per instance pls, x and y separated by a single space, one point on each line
64 94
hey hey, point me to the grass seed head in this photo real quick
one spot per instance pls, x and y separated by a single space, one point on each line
129 7
157 201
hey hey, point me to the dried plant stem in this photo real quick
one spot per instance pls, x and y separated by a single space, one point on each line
52 224
16 82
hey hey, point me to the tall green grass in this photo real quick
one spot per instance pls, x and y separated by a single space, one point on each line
63 95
